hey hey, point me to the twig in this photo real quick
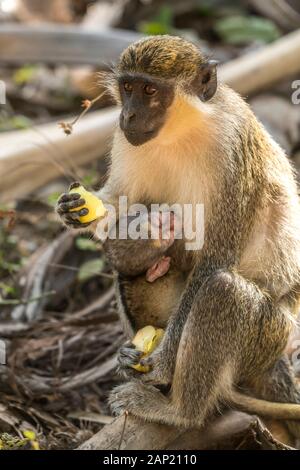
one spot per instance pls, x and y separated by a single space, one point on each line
123 430
28 301
67 127
97 305
72 268
37 274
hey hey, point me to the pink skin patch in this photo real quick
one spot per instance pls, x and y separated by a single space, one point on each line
159 269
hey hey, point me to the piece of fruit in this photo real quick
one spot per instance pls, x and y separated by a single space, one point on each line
92 203
146 340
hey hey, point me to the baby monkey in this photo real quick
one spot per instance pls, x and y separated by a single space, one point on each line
138 262
147 254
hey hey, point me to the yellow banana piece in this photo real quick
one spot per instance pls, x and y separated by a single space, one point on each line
146 340
92 203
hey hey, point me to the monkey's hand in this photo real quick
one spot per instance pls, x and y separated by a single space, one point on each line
128 356
158 269
66 205
161 369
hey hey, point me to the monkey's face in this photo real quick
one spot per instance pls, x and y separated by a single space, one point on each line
144 103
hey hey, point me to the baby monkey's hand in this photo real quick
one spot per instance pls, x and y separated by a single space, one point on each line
158 269
66 205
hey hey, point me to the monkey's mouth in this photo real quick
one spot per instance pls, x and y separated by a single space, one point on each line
139 138
135 133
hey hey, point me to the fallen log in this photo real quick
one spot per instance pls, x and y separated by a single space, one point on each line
74 46
286 14
58 44
135 435
227 431
30 158
265 66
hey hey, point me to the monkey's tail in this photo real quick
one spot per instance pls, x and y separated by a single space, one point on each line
265 408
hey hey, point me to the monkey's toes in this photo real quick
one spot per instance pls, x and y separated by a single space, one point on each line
121 398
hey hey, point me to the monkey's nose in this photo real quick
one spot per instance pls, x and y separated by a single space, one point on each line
127 117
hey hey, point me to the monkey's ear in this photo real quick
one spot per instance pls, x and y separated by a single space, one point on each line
207 80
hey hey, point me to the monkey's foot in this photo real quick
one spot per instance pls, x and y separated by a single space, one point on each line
146 402
136 398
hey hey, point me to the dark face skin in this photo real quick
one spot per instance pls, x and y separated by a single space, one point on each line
144 104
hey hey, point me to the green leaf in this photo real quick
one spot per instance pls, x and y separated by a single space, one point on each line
24 74
86 244
90 179
153 28
53 198
90 269
162 23
10 267
238 30
207 7
7 290
15 122
165 16
21 122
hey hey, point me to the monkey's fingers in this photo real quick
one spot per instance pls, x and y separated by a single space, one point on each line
72 220
127 373
151 361
65 205
66 197
147 361
76 184
129 356
75 215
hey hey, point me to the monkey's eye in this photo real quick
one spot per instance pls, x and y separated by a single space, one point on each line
150 89
127 87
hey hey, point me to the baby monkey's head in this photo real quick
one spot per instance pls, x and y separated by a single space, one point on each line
149 76
138 244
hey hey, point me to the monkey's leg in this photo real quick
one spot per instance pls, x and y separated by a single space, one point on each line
141 304
278 384
232 330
